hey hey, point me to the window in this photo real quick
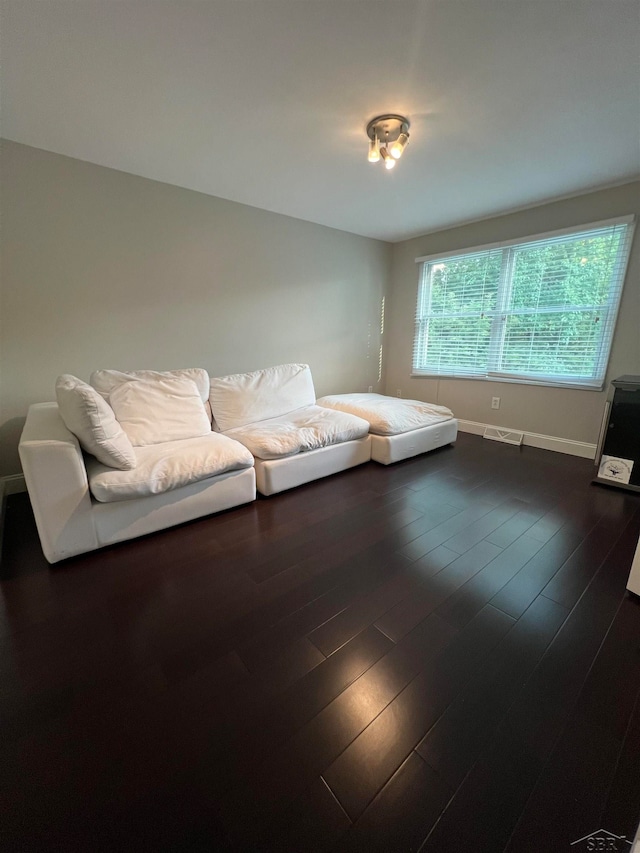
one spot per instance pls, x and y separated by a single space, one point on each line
540 311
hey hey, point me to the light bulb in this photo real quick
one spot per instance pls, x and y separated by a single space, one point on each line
389 162
397 147
374 150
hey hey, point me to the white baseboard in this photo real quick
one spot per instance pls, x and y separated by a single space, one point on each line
12 485
534 439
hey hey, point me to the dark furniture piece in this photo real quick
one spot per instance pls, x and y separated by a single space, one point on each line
618 454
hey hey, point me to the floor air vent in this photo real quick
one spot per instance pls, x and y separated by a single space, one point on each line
509 436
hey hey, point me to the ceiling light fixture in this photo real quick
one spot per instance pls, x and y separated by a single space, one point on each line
388 137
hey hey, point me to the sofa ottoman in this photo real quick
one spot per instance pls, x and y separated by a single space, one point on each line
399 428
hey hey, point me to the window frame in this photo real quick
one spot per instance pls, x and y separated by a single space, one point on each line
501 311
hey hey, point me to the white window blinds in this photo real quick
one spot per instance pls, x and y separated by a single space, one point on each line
538 311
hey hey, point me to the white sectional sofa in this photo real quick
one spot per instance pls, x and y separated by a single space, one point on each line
273 413
137 451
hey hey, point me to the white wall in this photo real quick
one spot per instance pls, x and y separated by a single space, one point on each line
569 414
105 269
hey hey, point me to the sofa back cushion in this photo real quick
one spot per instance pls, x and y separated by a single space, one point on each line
152 411
106 381
92 420
246 398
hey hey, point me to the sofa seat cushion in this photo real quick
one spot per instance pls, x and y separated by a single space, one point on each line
162 467
246 398
305 429
388 415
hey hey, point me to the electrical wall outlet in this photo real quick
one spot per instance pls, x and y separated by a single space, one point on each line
495 402
370 388
399 392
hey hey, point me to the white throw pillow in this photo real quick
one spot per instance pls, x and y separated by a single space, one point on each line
164 409
90 418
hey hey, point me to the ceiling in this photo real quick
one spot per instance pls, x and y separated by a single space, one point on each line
266 102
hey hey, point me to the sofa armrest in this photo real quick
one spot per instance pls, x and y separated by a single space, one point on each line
56 479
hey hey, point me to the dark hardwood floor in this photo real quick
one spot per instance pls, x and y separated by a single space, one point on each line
435 656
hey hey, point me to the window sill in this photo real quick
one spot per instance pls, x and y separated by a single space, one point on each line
575 386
